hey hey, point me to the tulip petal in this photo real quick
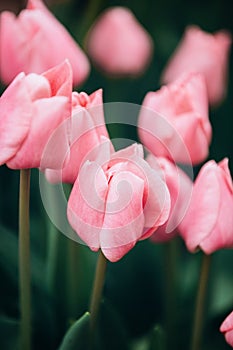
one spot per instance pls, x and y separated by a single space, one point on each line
156 199
222 234
46 28
48 114
15 119
86 204
118 44
60 79
202 52
124 218
8 57
227 324
202 214
229 337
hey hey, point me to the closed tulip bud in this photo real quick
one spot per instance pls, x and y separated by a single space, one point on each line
208 223
205 53
174 122
35 41
118 44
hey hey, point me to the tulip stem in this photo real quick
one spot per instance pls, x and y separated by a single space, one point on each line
24 260
200 303
53 246
73 277
170 287
97 291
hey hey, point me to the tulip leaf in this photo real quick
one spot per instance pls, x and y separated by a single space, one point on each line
76 338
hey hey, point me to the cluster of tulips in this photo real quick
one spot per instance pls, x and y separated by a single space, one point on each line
118 197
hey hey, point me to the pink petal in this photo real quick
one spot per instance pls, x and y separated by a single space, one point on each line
156 199
180 189
86 208
192 130
8 30
24 35
229 337
227 324
37 86
118 44
15 120
202 214
222 234
84 140
60 79
96 110
179 128
134 150
225 171
124 219
202 52
47 115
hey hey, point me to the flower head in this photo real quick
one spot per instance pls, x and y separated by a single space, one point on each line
205 53
118 44
208 223
114 204
35 41
174 122
32 107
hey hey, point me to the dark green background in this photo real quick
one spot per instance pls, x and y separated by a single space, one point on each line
135 286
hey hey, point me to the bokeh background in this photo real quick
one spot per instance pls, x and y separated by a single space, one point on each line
137 287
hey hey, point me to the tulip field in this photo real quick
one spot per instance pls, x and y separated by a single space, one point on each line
116 164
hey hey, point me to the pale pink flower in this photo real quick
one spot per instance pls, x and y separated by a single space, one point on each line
227 329
174 121
180 189
87 133
208 223
35 41
32 107
115 204
205 53
118 44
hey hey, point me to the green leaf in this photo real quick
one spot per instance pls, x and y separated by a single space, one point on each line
76 338
9 333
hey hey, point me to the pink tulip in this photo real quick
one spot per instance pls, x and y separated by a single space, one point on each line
118 44
113 206
202 52
88 132
34 42
227 329
32 107
180 189
174 122
208 224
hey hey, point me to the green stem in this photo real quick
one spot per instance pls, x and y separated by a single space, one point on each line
97 291
53 243
24 260
170 290
200 304
73 277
